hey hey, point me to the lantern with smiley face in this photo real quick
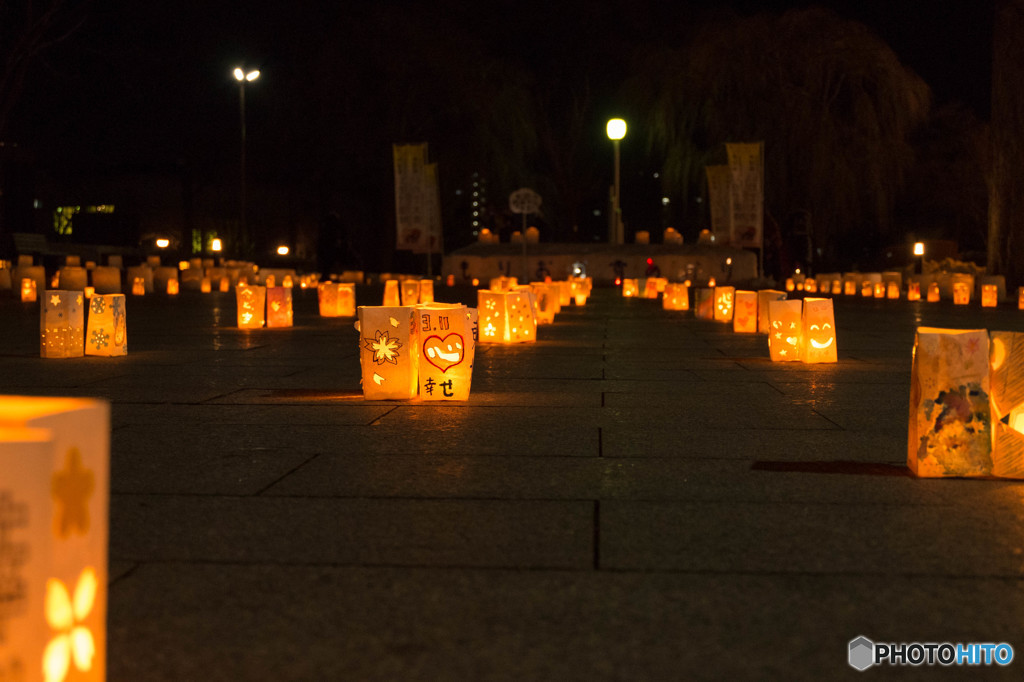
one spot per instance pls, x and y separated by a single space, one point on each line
676 297
724 301
388 354
447 350
819 331
744 315
785 330
764 297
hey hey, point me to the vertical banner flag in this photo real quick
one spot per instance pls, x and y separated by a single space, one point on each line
431 193
746 164
411 206
719 200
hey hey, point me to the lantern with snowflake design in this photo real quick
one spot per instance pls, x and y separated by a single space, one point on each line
106 333
62 324
54 495
388 355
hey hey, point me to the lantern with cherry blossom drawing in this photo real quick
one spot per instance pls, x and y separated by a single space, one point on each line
505 317
388 356
251 300
785 325
279 307
107 331
62 324
54 495
744 316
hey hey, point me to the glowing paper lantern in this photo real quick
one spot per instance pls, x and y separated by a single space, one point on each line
392 297
867 288
251 300
546 298
143 272
630 288
426 291
410 291
564 293
790 284
279 307
72 278
724 299
89 292
505 317
1006 377
880 289
1020 298
989 295
744 317
54 496
949 404
849 286
107 330
650 288
336 299
205 286
892 290
676 297
447 350
811 285
961 293
913 290
933 292
388 355
785 324
138 286
62 324
764 297
28 290
704 304
173 287
818 342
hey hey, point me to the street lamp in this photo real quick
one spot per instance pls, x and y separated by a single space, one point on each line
243 77
919 251
616 129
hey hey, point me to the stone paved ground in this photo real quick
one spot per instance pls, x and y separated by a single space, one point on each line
637 496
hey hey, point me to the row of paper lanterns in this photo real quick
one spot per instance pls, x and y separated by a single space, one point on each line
960 288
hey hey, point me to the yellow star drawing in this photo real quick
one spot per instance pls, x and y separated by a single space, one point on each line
55 300
71 488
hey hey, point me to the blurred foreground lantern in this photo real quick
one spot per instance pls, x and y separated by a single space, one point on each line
506 317
62 324
676 297
251 299
28 290
724 297
54 496
630 288
818 331
447 350
785 323
913 290
892 290
387 352
1006 376
961 293
410 291
392 297
138 286
744 316
279 307
989 295
764 297
336 299
704 304
933 292
949 404
426 291
107 330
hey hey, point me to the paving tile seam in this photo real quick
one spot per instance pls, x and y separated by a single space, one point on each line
376 420
286 474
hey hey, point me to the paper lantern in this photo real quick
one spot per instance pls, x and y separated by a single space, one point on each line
913 291
426 291
500 284
225 284
989 295
1020 298
867 288
850 286
388 356
892 290
744 316
579 290
54 497
173 287
279 307
1006 377
811 285
711 283
410 289
564 293
785 324
547 302
72 278
449 280
650 288
879 289
138 286
89 292
949 433
933 292
62 324
447 350
107 330
630 288
704 303
392 297
270 281
724 298
790 284
205 286
764 297
837 287
28 290
961 293
506 317
818 331
251 300
676 297
336 299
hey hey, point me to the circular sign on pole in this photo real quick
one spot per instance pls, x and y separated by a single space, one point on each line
524 200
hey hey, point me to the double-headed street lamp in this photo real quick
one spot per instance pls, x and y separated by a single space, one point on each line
243 77
616 129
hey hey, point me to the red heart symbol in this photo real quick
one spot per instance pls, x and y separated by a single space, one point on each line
444 353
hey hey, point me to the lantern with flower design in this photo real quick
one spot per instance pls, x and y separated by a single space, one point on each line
388 356
505 317
724 298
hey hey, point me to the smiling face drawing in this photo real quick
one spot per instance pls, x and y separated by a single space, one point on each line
819 331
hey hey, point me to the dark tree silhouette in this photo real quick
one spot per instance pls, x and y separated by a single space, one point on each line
1006 183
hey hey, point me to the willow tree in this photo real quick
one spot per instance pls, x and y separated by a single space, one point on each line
831 101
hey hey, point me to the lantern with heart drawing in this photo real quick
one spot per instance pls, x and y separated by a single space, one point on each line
388 356
785 324
279 307
744 316
54 495
447 350
818 342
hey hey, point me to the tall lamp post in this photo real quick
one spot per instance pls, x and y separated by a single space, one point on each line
616 129
919 252
243 77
